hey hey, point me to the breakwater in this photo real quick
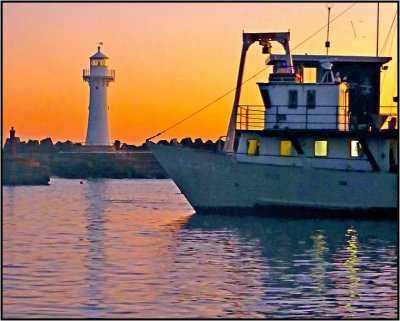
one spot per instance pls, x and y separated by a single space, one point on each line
23 171
140 164
31 168
34 162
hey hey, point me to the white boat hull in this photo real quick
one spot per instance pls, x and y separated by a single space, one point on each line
216 182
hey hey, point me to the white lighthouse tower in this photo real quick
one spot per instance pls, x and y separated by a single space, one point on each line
98 77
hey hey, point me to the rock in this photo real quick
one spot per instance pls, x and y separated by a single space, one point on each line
187 142
24 171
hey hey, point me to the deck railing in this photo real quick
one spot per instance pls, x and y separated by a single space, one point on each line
250 117
257 117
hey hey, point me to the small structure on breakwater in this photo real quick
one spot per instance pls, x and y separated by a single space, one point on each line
11 142
20 169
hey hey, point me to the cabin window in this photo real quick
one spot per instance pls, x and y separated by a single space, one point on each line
356 149
293 95
321 148
311 98
285 148
253 147
266 98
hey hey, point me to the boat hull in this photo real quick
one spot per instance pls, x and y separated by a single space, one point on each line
214 182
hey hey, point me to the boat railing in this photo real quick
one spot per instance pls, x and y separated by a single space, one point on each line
250 117
257 117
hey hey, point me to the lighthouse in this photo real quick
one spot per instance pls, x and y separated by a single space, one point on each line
98 77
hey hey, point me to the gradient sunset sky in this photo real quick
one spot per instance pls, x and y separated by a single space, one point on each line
170 60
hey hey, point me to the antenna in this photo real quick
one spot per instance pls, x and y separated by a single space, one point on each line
354 30
329 5
327 66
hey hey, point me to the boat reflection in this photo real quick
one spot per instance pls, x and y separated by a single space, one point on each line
351 264
320 264
274 232
308 267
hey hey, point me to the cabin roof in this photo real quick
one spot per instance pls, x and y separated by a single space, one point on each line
317 59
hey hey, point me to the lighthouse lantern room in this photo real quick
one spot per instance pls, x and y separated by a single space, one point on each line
98 77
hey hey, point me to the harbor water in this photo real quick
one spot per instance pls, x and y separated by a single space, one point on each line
135 249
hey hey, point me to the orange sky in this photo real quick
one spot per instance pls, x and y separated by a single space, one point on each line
170 59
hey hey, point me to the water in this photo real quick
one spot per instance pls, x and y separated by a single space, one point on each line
134 249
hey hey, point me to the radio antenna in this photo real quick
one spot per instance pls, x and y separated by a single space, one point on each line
329 5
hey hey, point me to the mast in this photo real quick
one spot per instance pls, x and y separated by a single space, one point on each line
327 43
248 39
230 137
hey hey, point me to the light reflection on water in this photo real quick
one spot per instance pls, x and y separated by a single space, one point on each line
132 248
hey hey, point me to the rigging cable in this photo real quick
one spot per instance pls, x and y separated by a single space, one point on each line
248 79
395 78
322 28
390 49
388 35
206 106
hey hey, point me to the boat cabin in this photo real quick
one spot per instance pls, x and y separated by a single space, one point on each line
329 120
305 106
344 91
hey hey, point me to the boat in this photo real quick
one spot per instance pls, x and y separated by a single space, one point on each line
319 146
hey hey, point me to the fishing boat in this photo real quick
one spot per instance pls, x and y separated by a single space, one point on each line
316 147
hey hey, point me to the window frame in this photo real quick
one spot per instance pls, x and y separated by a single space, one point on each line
267 99
280 148
326 149
311 104
257 152
293 101
361 155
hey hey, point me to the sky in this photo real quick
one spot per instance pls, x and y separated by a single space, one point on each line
170 60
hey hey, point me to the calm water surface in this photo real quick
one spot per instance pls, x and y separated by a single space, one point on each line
133 248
